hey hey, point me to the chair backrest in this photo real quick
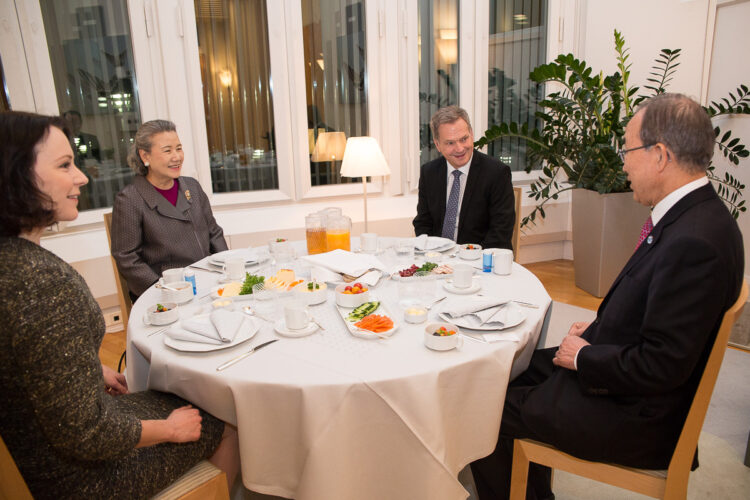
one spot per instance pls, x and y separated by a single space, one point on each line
516 239
682 458
122 286
12 485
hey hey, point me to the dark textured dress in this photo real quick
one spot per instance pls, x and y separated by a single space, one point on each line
69 438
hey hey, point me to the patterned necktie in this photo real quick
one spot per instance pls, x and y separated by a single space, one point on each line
451 209
645 230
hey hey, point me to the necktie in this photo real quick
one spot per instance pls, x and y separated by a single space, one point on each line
645 230
451 209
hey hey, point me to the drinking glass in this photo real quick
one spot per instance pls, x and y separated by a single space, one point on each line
338 232
404 253
315 234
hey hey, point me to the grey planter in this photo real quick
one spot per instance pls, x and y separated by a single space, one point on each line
605 231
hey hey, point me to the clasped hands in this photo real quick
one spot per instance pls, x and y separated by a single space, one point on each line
570 345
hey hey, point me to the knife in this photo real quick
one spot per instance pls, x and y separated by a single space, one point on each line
244 355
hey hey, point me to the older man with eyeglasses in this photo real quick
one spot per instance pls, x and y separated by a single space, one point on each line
618 389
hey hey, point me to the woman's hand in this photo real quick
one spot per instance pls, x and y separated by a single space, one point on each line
185 423
114 382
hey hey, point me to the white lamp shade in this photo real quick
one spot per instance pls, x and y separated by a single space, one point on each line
329 146
363 157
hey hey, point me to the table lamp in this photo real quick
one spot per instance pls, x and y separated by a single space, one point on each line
363 158
329 147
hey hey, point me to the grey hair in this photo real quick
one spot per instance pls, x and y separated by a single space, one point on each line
448 114
144 141
682 125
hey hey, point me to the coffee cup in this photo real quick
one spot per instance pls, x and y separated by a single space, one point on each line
442 342
296 316
503 261
234 268
369 242
462 275
172 275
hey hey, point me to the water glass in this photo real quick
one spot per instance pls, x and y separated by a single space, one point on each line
404 253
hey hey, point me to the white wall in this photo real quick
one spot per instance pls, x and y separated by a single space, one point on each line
648 26
730 68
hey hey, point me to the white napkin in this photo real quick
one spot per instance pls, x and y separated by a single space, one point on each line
227 323
342 261
488 312
424 242
201 325
176 332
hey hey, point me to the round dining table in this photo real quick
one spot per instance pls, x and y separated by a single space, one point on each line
334 416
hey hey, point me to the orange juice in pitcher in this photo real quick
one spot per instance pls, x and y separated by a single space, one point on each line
338 233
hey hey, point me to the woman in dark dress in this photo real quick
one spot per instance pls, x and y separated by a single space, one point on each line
69 422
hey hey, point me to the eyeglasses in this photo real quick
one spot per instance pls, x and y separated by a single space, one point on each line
623 152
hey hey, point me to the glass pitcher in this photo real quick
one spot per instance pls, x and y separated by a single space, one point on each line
315 234
338 232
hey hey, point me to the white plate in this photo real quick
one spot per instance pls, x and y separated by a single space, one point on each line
282 330
218 259
397 277
247 331
515 317
381 310
444 244
475 287
215 294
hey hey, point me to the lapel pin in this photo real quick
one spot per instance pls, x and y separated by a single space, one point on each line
649 240
187 195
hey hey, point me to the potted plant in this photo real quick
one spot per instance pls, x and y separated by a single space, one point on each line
582 124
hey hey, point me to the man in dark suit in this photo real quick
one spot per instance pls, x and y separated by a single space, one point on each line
619 389
470 202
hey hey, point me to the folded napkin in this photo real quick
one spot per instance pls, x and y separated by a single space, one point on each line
176 332
342 261
202 326
424 242
490 312
227 323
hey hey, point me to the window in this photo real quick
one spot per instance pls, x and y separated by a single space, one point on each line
236 72
92 65
335 57
517 44
438 66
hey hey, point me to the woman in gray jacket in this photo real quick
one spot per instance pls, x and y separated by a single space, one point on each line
162 220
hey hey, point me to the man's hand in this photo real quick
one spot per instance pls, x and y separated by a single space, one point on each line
578 328
114 382
566 353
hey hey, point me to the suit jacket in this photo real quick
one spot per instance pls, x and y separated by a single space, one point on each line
628 400
150 235
487 208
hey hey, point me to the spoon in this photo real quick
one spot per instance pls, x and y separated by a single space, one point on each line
167 287
251 312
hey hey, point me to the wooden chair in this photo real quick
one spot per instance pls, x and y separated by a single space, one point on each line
204 481
669 484
516 239
123 293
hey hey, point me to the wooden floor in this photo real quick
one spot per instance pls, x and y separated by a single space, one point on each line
556 276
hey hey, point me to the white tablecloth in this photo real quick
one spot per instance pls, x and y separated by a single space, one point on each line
331 416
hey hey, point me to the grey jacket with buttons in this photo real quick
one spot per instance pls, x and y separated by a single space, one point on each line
150 235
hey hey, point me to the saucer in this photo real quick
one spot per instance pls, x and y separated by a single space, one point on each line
475 287
282 330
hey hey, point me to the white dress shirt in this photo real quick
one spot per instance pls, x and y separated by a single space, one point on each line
464 175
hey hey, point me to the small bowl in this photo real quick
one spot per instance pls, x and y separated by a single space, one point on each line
433 256
312 297
438 343
470 251
415 314
350 300
162 318
182 294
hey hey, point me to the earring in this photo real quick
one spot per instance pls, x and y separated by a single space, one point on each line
145 163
